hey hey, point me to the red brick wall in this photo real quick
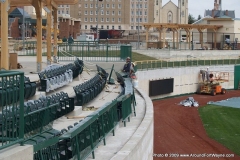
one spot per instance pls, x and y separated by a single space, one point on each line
15 31
76 28
65 28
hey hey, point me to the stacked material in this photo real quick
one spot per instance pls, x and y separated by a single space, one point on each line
189 102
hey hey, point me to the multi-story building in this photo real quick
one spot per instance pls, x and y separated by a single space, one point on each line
170 12
113 14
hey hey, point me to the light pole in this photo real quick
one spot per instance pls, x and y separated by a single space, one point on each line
97 19
23 30
138 27
98 8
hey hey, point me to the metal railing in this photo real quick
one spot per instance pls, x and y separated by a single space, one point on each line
158 64
126 108
89 51
11 108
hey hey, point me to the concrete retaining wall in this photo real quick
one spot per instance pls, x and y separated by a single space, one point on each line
140 145
200 54
186 79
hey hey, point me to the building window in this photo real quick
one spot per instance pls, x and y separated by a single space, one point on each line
113 5
107 27
85 19
131 27
91 19
67 12
145 19
102 19
107 20
145 5
156 12
113 20
96 20
96 12
62 11
140 27
119 6
182 2
91 5
86 6
169 17
95 5
107 12
113 13
58 12
102 12
119 27
183 14
101 26
156 2
112 27
107 6
91 12
119 19
132 20
85 26
119 12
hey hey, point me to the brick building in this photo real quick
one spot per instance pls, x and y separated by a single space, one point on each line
68 25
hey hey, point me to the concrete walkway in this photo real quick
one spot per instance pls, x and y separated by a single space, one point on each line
122 134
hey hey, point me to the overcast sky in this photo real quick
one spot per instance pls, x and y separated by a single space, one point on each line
197 7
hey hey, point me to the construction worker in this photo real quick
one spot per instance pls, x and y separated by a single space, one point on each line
128 67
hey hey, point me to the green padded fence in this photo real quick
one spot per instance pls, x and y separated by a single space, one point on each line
237 77
158 64
11 108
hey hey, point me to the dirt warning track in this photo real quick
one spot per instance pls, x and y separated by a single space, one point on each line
178 130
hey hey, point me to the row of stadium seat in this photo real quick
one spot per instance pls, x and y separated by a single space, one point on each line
57 81
9 90
37 113
57 76
88 90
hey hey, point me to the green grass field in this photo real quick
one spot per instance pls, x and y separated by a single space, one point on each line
223 125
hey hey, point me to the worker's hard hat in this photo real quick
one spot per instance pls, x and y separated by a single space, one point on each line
128 58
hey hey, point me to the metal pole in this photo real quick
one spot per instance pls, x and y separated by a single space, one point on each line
138 29
23 30
97 19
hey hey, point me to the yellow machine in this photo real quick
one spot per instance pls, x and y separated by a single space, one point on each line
212 84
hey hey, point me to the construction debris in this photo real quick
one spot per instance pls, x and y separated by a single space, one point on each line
189 102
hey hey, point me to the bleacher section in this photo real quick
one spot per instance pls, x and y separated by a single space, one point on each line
80 139
56 76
